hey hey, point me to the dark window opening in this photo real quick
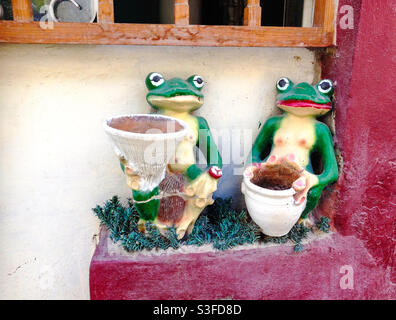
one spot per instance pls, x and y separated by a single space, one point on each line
282 13
6 10
287 13
147 11
221 12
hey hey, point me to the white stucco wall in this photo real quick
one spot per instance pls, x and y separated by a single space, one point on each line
56 162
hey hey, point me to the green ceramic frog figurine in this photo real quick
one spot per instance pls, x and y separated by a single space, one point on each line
295 135
186 188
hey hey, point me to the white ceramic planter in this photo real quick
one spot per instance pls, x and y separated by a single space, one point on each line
273 211
147 153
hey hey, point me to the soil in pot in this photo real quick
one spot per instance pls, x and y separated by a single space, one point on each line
278 176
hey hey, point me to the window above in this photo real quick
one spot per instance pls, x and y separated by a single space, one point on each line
252 23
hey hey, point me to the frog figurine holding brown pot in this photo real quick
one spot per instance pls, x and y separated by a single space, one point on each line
292 138
186 189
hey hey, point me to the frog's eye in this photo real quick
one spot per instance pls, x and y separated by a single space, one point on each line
283 84
198 82
156 79
325 86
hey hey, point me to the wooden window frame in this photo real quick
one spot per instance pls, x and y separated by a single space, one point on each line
24 30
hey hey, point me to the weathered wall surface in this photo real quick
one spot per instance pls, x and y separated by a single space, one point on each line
56 162
365 68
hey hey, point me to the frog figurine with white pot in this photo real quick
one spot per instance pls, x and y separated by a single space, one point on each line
279 183
186 189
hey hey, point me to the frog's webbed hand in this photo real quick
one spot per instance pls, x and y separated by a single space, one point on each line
250 170
303 184
132 179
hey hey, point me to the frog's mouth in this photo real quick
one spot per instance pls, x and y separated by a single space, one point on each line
190 102
304 104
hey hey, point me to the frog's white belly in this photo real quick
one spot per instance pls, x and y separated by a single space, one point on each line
295 136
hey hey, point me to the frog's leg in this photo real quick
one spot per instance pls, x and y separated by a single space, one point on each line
200 192
147 209
191 214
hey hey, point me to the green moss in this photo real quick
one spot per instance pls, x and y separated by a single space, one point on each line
323 224
296 235
218 225
223 227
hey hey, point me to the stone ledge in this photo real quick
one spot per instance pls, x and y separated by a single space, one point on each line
251 272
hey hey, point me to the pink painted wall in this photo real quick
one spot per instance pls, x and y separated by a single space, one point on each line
365 71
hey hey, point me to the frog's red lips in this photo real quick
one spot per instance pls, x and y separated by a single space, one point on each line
303 104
